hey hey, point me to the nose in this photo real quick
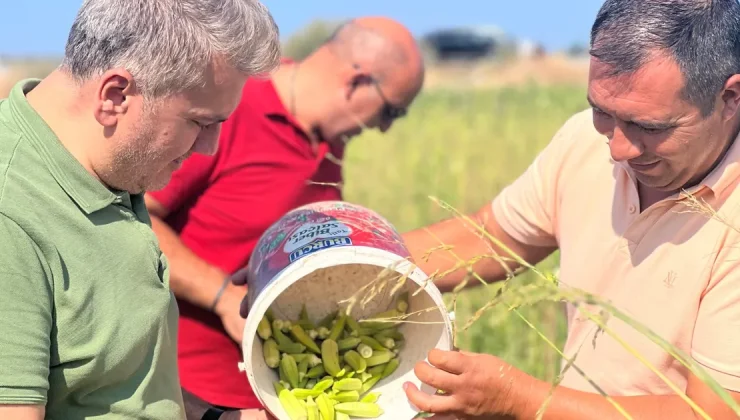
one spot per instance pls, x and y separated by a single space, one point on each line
623 148
207 141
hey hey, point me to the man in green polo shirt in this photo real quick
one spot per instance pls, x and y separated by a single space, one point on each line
88 324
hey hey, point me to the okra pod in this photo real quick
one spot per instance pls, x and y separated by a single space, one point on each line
390 332
356 361
291 347
379 357
324 384
292 405
390 367
353 327
388 343
370 397
264 330
313 360
290 370
287 325
349 384
372 342
348 343
303 393
402 303
303 366
369 384
269 315
365 350
312 409
376 370
326 407
316 371
279 336
336 329
271 353
300 335
385 320
346 396
330 357
359 409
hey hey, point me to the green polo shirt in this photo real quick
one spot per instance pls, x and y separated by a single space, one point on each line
88 324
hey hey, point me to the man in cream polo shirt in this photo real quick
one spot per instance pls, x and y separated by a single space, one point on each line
611 192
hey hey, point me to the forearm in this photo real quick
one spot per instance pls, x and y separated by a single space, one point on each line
22 412
191 278
570 404
450 247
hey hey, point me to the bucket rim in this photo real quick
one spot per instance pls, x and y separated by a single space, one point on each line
313 262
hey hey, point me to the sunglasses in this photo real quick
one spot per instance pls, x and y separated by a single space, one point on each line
390 112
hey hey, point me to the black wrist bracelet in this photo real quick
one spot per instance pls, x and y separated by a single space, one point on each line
212 414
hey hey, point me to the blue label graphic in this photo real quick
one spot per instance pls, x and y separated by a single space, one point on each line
318 246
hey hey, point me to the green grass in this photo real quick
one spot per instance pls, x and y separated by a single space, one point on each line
464 147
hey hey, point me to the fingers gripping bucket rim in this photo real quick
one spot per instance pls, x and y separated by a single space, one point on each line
324 277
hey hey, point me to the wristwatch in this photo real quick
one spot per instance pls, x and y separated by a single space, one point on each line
212 413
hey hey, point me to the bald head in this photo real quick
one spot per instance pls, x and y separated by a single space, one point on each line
383 46
366 75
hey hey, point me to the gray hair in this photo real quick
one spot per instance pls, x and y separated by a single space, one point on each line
168 45
702 36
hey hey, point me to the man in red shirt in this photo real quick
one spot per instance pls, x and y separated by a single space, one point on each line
280 149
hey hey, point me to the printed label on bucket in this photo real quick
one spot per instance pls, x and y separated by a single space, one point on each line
317 227
318 246
313 231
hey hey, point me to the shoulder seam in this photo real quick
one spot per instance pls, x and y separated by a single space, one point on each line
39 254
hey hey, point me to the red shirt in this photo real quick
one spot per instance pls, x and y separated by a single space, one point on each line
221 204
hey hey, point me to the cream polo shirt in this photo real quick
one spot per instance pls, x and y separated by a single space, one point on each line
671 268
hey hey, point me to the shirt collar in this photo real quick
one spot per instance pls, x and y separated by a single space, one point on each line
724 175
85 190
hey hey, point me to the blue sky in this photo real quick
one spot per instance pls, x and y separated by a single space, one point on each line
39 27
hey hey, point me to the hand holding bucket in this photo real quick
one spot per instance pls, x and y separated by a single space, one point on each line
330 256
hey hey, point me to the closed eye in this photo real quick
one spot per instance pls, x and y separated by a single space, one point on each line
651 129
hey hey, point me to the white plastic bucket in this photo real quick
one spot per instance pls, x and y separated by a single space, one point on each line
325 253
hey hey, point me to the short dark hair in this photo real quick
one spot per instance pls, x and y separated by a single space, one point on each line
702 36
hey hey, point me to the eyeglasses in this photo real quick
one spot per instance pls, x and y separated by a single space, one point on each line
390 112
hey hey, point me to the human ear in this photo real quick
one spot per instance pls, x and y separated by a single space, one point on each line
357 79
112 96
731 97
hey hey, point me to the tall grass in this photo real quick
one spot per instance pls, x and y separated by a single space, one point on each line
464 147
